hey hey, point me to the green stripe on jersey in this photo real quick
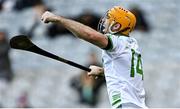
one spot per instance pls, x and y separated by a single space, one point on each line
117 101
110 43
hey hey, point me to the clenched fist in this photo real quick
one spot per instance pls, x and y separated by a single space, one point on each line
49 17
96 71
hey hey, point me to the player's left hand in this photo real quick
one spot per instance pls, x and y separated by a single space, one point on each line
95 71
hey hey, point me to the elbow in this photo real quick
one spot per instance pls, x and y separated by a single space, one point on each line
92 37
98 40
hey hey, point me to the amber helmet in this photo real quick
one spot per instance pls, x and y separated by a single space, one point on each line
119 20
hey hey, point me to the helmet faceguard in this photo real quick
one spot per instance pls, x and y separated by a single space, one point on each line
119 21
102 25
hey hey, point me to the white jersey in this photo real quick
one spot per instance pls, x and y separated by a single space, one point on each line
123 71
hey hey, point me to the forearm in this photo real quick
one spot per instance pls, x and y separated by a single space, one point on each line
82 31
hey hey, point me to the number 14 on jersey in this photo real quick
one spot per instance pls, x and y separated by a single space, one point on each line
136 64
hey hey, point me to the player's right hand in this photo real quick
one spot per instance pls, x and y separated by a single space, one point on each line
95 71
49 17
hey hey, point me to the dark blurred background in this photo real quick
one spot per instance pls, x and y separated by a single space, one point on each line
30 80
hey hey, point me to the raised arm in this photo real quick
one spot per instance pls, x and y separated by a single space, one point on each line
80 30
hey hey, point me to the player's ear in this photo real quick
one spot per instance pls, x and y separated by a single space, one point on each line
115 27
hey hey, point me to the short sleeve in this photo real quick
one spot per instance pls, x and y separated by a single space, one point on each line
112 42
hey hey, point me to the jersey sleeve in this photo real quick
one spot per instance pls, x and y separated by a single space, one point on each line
114 43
